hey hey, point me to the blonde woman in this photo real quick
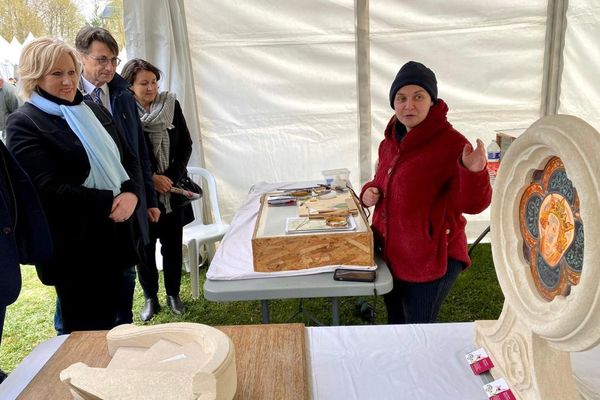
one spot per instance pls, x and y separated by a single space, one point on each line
81 168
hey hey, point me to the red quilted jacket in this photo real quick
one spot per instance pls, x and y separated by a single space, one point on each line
418 220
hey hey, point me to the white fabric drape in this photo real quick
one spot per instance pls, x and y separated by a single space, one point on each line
580 91
156 31
276 85
276 82
488 59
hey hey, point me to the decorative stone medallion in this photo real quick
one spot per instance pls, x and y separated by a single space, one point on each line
552 230
547 187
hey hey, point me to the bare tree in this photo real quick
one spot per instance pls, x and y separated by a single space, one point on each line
61 18
109 15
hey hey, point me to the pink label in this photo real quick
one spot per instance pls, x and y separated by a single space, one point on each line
479 361
508 395
481 366
498 390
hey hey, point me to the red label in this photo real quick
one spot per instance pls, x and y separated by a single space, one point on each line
481 366
507 395
498 390
492 167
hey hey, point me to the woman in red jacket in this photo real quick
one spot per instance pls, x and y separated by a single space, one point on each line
428 175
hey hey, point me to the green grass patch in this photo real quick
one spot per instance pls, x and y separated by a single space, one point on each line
476 295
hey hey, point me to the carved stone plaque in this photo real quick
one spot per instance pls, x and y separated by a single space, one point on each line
547 191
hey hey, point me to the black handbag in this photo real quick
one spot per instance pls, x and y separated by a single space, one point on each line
184 192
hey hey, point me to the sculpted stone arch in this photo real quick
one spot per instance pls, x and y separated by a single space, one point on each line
545 244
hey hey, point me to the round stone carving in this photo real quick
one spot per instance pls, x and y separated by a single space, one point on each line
547 191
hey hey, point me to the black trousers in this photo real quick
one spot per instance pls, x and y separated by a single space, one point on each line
169 230
90 300
420 303
2 314
124 314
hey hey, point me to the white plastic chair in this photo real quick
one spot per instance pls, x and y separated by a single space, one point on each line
197 233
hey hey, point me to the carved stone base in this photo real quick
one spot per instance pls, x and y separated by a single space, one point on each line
532 367
169 361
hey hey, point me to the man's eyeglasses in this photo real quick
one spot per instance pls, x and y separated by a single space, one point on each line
105 60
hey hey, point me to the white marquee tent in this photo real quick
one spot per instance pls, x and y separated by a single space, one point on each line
280 90
9 55
6 67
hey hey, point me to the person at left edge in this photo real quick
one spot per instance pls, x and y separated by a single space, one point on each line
98 52
9 102
80 165
24 233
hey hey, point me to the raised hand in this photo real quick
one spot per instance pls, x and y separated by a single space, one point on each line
474 159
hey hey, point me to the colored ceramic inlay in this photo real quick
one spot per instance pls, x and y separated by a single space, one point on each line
552 230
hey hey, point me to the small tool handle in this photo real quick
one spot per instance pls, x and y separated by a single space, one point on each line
324 214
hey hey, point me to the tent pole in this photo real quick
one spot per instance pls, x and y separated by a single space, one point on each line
363 88
556 26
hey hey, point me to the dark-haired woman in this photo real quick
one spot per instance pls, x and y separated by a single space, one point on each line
171 147
428 175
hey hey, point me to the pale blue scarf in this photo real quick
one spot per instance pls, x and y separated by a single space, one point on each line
106 171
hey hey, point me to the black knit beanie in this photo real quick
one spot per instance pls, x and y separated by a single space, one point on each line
414 73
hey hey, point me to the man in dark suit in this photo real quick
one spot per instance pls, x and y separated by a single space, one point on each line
99 81
24 233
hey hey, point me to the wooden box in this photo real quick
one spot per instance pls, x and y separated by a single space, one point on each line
274 250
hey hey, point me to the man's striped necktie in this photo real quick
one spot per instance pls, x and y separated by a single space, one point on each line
96 95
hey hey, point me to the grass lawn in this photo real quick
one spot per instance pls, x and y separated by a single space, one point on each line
29 321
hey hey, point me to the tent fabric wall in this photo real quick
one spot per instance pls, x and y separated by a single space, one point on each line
488 59
580 91
279 84
276 87
157 32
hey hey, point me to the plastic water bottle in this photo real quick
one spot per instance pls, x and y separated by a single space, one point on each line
493 160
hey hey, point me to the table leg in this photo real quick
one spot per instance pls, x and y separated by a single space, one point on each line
265 311
335 311
193 263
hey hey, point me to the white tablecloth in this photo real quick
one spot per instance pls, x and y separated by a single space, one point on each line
393 362
424 362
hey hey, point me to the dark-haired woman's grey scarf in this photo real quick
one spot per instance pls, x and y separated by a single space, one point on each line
156 122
